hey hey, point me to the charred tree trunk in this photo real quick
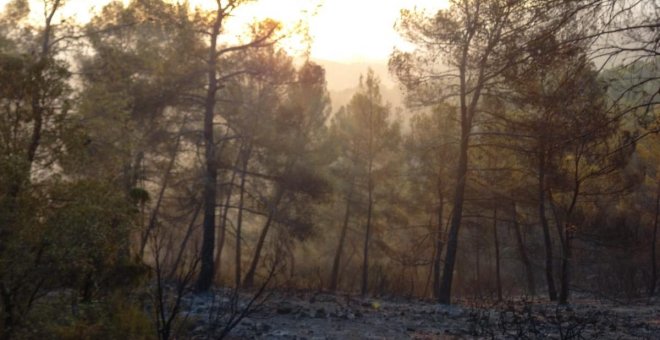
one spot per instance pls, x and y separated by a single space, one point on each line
370 203
37 107
211 174
367 240
496 240
452 240
8 323
524 258
248 281
161 193
223 218
477 268
547 241
654 242
565 266
37 111
239 218
186 238
334 277
438 248
468 107
569 231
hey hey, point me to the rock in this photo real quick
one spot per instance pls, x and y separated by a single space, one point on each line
262 327
284 310
323 298
281 333
320 313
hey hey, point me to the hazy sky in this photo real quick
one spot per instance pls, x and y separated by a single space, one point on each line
343 30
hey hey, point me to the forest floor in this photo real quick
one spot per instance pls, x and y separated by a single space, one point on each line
328 316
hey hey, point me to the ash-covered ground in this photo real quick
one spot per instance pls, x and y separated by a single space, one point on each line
341 316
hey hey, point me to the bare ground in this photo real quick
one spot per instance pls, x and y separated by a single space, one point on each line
342 316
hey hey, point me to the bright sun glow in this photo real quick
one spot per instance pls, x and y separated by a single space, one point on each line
342 30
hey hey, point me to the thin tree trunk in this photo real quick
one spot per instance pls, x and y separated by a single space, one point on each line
8 310
37 111
184 243
452 240
438 248
429 274
239 219
547 241
568 237
531 285
467 113
469 97
565 266
477 268
334 277
163 187
367 240
248 281
211 175
370 203
498 277
654 242
223 218
36 104
10 317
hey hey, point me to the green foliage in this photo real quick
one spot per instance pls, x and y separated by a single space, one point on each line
116 317
88 232
27 78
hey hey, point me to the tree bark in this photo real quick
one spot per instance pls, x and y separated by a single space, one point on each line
531 285
334 277
367 240
223 218
11 317
497 257
565 266
452 240
36 104
211 174
184 243
248 281
477 268
438 248
370 203
239 219
568 237
547 241
654 242
161 193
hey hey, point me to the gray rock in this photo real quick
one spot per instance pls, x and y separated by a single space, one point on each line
284 309
320 313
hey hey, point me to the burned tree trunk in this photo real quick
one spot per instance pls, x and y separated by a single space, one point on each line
438 250
549 277
239 219
248 281
524 258
654 242
498 277
334 277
